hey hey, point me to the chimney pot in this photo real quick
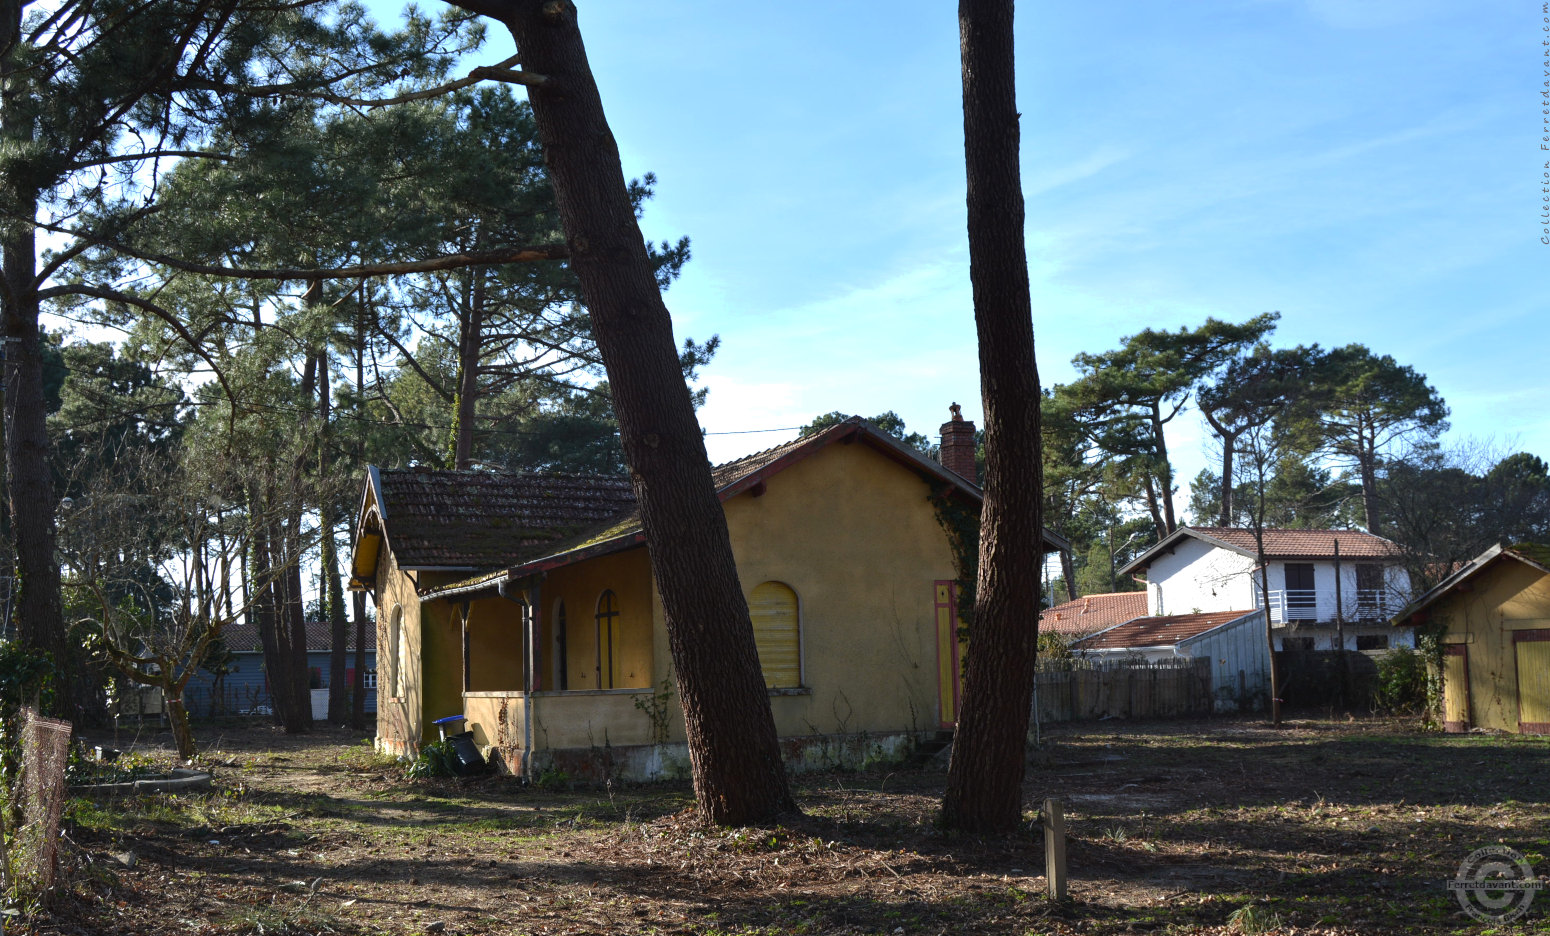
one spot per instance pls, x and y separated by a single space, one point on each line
958 445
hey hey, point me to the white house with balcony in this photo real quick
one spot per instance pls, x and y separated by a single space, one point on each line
1321 582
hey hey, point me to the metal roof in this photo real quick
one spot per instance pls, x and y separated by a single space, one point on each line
1160 631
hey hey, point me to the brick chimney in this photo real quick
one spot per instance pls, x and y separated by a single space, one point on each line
958 445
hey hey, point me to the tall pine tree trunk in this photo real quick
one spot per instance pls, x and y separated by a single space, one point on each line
468 349
985 775
276 572
358 603
738 773
332 588
292 690
338 628
38 611
1164 470
358 683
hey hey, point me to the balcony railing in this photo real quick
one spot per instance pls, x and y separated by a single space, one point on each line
1309 604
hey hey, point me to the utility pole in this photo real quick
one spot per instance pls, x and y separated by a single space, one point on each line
1345 674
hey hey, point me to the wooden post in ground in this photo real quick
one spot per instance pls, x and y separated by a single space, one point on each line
1054 849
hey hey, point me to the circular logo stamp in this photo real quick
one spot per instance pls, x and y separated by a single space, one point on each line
1495 884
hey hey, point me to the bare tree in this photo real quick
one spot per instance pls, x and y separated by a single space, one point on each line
152 549
1259 447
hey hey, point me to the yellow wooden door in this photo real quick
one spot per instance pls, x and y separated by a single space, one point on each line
1455 688
773 608
947 653
1533 653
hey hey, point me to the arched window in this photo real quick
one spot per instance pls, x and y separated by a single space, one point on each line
608 638
561 657
397 652
777 631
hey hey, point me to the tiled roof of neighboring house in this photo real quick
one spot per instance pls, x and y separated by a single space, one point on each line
1308 544
483 519
240 638
1094 612
624 530
1279 544
1159 631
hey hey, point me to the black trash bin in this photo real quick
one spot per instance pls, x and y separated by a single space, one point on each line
468 760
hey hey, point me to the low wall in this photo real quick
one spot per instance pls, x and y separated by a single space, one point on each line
671 760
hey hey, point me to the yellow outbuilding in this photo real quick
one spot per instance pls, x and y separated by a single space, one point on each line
525 604
1494 615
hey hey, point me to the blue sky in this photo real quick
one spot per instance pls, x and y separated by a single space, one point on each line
1369 168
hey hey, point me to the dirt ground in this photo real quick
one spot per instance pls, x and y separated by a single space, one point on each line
1216 826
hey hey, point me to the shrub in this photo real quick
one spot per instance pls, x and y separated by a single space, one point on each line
1401 683
437 759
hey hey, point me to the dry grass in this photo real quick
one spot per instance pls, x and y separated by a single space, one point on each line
1219 826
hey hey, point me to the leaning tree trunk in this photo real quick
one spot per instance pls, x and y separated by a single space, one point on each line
1068 572
985 776
38 612
738 773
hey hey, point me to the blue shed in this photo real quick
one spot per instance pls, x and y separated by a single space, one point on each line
244 689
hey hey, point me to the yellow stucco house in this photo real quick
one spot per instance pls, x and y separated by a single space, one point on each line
525 603
1495 615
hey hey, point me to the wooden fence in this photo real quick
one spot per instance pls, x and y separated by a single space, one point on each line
1074 690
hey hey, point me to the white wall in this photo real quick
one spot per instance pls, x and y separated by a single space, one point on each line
1195 577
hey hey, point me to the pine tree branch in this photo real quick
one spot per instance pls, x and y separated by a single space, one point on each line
172 321
501 71
152 154
498 255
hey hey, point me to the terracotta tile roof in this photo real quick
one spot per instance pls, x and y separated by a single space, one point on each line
1305 544
484 519
241 638
1085 615
622 529
1158 631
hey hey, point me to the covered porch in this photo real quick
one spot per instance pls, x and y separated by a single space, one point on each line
561 660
